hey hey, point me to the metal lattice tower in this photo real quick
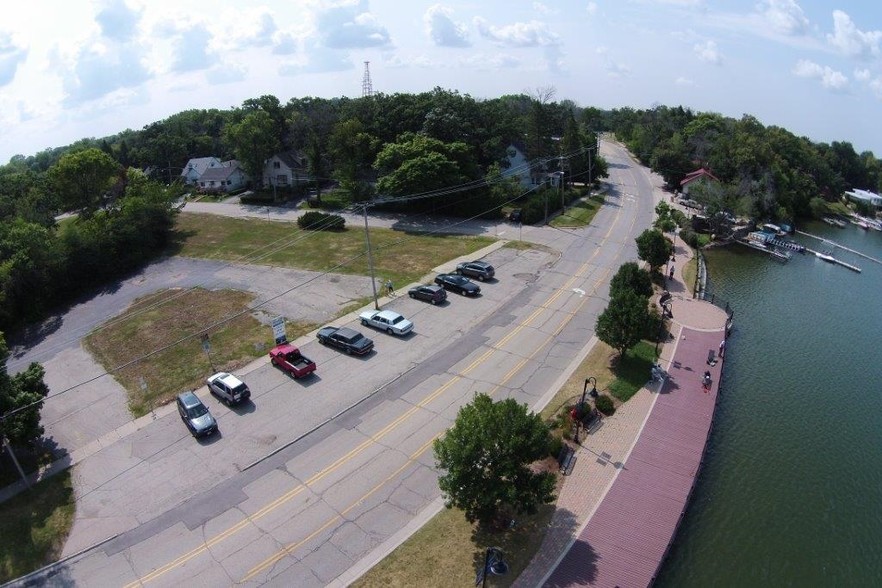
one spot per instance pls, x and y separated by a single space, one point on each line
367 89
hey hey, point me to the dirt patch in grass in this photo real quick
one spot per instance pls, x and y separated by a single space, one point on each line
34 526
164 324
402 257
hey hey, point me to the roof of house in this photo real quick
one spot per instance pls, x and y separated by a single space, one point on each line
219 173
699 173
200 164
293 159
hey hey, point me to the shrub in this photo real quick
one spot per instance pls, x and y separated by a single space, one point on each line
321 221
605 404
554 446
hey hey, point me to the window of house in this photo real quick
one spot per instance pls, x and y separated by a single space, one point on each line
277 165
282 179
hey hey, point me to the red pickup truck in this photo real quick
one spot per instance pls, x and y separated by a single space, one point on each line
288 358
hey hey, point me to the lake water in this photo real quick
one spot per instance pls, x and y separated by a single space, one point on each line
791 490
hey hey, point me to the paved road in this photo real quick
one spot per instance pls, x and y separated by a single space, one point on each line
348 464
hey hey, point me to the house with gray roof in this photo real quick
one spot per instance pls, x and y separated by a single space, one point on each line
226 178
287 169
196 167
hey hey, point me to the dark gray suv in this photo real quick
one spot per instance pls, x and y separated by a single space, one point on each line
195 414
476 269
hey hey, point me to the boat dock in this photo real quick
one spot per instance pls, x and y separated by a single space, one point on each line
844 248
830 259
774 253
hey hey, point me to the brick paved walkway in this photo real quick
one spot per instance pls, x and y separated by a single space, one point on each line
620 507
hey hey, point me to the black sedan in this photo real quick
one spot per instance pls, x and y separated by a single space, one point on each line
429 293
458 283
476 269
349 340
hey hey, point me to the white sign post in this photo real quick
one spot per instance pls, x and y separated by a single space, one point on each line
279 330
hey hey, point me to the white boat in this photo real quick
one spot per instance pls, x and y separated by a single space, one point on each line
825 256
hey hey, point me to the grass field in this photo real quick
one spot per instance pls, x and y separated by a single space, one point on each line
164 324
580 213
34 526
403 257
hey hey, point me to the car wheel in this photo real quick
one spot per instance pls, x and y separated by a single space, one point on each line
389 330
481 278
364 322
433 301
322 341
348 351
412 295
459 271
464 292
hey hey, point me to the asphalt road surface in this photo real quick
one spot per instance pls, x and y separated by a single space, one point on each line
316 479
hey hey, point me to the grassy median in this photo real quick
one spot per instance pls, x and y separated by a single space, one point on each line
34 526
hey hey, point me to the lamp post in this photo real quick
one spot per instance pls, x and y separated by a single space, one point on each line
593 381
665 312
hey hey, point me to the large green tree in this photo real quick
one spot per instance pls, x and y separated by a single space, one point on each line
21 398
623 323
417 164
631 278
654 248
486 456
83 178
254 140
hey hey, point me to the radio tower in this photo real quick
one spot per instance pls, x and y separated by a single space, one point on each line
367 89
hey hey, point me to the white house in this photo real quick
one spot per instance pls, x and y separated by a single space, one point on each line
286 169
196 167
528 174
226 178
700 175
866 196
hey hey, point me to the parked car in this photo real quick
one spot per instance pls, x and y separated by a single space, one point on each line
349 340
476 269
458 283
230 389
195 414
289 359
386 320
428 292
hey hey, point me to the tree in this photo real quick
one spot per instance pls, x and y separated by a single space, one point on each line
486 457
622 324
82 178
654 248
630 278
254 140
417 164
23 393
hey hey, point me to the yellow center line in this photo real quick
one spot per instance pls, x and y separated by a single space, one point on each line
388 428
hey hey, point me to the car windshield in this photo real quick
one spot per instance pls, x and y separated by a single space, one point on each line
194 412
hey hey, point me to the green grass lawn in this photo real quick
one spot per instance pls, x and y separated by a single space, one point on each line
180 364
580 213
632 371
34 526
403 257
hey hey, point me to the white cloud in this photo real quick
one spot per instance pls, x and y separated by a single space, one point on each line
829 78
490 62
284 43
117 20
707 52
226 73
102 68
350 27
442 29
12 54
252 29
613 68
191 50
686 82
862 75
851 41
543 9
320 60
519 34
591 8
784 16
876 86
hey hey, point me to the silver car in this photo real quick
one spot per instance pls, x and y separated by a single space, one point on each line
195 414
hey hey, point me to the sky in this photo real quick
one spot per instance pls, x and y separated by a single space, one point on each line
93 68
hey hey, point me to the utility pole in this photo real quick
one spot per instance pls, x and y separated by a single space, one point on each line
367 240
367 88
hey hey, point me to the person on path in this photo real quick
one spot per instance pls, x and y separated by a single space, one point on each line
389 289
671 273
722 347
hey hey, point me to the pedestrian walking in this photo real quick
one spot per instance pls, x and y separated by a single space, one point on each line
389 289
722 347
671 273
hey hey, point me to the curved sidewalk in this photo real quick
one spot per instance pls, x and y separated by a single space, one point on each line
620 508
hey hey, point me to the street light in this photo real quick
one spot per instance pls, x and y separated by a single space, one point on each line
593 381
665 312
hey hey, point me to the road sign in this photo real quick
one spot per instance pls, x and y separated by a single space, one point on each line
279 330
